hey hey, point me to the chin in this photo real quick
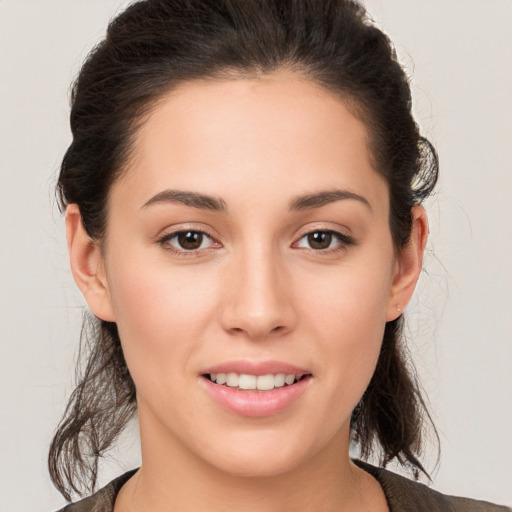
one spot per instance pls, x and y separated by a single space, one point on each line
261 456
258 465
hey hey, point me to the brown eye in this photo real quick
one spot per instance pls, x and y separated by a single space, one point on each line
320 240
324 241
190 240
187 242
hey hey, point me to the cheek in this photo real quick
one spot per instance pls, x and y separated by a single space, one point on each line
352 300
347 316
160 313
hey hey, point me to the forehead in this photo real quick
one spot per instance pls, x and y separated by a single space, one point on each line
278 133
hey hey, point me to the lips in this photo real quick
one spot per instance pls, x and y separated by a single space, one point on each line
256 368
255 389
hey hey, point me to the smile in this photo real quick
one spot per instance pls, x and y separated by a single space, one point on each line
244 381
256 396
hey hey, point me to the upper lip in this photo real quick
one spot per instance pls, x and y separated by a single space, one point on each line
256 368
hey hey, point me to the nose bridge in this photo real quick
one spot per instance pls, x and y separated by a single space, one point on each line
258 301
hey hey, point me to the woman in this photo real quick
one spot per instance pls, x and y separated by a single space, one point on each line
243 208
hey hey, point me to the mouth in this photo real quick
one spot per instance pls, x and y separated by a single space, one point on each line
251 382
258 394
256 389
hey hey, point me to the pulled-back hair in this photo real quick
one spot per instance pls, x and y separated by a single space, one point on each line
151 48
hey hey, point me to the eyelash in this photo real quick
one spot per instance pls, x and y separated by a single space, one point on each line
343 239
166 239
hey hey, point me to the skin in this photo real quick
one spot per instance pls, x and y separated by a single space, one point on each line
256 289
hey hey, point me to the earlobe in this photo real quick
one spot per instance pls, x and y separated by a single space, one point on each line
408 265
87 266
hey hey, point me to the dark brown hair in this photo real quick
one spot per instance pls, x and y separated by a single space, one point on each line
149 49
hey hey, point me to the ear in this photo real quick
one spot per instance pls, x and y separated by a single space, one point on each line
87 266
408 265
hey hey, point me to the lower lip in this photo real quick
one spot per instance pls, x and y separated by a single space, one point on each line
256 404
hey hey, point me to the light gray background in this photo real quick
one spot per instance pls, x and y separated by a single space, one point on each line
459 53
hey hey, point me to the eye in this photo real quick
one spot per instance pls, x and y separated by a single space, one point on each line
187 241
323 240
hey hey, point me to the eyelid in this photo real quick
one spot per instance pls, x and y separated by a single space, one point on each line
198 227
340 234
343 237
168 235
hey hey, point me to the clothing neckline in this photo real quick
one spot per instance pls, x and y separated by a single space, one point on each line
106 496
401 493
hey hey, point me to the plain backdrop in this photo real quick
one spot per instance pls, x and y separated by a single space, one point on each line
459 55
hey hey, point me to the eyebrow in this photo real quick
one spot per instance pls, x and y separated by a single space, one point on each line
325 197
207 202
193 199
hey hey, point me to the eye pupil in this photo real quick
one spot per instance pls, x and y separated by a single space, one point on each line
320 240
190 240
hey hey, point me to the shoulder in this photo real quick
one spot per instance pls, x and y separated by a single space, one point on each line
404 495
102 500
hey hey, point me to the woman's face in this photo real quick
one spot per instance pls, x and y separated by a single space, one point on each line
249 235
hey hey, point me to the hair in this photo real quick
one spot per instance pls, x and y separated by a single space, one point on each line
151 48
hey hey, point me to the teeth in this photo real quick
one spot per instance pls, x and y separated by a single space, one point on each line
247 381
279 380
232 380
259 382
289 379
266 382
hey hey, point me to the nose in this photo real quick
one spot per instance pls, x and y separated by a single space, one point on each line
258 297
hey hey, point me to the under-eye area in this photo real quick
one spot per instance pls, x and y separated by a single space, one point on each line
243 381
